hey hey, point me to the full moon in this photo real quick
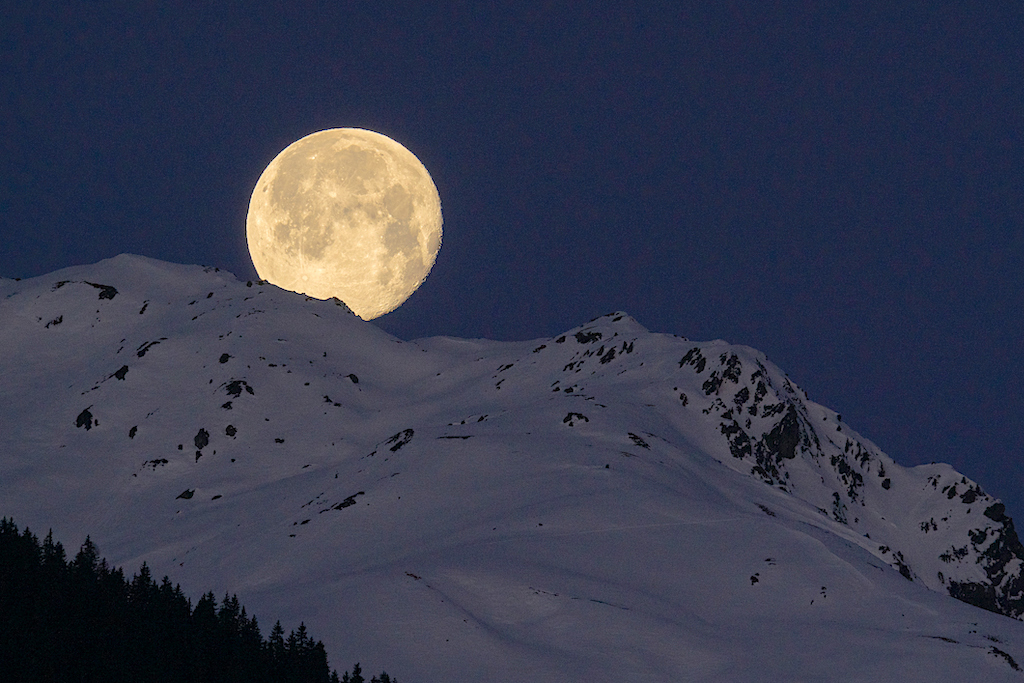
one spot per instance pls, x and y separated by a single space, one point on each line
345 213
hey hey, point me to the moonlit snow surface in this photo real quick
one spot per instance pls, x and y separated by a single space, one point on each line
559 509
346 213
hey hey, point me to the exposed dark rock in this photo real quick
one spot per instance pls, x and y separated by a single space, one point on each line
106 291
348 502
121 373
638 441
587 337
132 432
234 388
1009 660
56 321
732 369
996 512
230 431
85 419
995 560
186 494
970 496
839 510
224 358
954 554
853 479
739 442
785 437
695 358
572 418
712 384
355 380
977 594
145 347
202 438
902 566
400 439
762 388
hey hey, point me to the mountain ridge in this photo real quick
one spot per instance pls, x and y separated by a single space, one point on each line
164 404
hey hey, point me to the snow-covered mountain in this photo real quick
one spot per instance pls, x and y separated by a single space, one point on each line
608 504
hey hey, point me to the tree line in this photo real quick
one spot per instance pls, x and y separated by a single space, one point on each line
82 621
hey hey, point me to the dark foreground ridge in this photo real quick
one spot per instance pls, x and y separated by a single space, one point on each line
83 621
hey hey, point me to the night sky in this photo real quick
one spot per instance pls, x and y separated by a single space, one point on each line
840 188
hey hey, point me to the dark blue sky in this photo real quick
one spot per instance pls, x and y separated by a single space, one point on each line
841 188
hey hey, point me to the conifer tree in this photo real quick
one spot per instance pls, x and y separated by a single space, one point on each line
84 621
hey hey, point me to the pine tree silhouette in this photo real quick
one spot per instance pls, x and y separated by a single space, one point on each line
84 621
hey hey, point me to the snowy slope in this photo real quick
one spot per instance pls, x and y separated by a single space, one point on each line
607 504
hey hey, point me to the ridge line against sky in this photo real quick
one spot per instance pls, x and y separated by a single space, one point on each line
838 187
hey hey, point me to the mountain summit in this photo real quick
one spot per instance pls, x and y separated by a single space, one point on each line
607 504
